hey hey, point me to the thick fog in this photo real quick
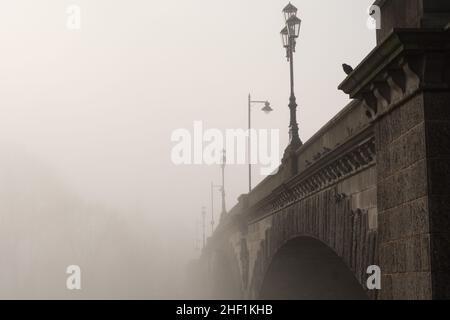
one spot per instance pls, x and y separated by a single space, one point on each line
86 118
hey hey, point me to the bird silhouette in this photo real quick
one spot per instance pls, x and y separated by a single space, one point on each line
347 69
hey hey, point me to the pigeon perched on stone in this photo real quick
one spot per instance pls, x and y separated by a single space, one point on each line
347 69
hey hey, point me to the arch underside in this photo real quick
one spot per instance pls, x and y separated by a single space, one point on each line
330 221
306 269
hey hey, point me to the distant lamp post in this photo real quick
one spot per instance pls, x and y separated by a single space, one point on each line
204 226
289 35
197 232
213 186
266 109
224 162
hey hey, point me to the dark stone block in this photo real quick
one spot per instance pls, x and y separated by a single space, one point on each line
396 154
439 176
419 213
438 139
388 258
386 287
395 122
384 226
441 285
403 286
383 134
437 106
416 181
414 148
383 164
412 254
401 255
439 207
407 220
383 188
440 246
412 113
411 286
423 252
423 286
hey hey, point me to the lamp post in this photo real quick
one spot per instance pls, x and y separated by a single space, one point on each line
213 186
197 231
204 226
266 109
224 161
289 35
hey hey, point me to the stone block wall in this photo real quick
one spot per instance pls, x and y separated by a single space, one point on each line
404 233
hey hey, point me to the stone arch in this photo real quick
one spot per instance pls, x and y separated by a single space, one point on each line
305 268
328 219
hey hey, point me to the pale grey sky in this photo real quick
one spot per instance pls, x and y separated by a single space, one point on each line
98 106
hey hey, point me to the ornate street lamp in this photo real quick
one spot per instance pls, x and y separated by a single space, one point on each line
289 35
266 109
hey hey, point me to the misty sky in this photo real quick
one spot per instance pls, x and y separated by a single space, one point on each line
97 106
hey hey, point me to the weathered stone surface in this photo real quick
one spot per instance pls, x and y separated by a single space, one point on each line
404 221
411 286
412 113
405 255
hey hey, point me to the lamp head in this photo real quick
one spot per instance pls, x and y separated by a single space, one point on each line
289 11
285 37
293 26
267 108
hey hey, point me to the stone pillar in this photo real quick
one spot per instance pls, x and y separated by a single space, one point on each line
395 14
405 84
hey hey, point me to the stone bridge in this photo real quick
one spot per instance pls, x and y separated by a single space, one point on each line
372 187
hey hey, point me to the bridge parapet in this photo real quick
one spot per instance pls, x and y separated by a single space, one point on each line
330 139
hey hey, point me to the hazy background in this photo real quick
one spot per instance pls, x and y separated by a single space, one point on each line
86 119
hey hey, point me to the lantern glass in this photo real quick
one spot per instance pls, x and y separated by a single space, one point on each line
289 11
293 26
285 37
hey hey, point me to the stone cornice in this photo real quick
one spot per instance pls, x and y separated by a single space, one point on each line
408 60
401 41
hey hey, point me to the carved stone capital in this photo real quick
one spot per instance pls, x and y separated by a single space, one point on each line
407 61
